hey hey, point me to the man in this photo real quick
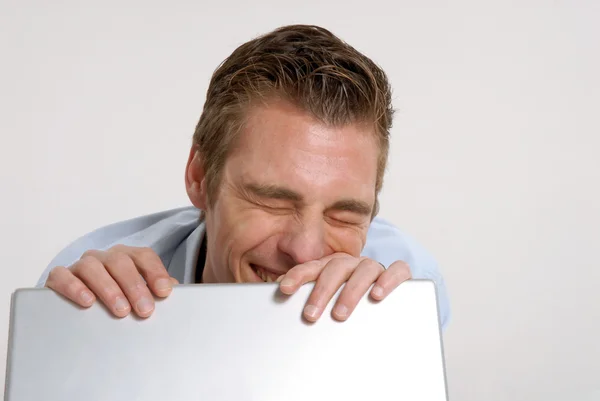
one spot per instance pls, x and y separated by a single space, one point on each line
287 162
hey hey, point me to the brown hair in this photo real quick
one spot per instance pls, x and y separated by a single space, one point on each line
306 65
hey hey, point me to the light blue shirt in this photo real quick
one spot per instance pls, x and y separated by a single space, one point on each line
175 235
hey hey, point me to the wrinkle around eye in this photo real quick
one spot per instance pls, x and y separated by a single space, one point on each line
347 223
348 218
275 209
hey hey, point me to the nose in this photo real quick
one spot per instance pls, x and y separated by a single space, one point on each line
304 240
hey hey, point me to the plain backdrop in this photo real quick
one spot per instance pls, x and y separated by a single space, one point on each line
494 164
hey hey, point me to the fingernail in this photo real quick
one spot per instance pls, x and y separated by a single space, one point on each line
341 311
144 305
163 284
377 291
86 297
311 311
121 305
280 278
287 282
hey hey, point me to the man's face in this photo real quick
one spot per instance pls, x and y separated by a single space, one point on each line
293 190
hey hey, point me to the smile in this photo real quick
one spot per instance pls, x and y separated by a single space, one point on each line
265 275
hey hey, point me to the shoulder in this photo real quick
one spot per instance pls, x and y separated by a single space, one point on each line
387 243
160 231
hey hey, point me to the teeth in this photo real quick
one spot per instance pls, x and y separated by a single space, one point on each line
261 273
264 276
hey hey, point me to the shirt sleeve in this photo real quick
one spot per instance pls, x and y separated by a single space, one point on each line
72 252
104 237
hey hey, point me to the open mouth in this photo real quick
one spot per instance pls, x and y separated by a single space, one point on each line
265 275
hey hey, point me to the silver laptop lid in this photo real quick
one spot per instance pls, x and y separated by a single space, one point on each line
234 342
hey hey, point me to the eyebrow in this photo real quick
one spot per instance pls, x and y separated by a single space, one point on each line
282 193
273 192
352 205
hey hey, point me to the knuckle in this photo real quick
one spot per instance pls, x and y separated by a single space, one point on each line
90 253
403 269
344 263
84 264
373 265
54 274
307 269
146 252
118 248
72 287
316 265
149 261
118 258
407 275
310 265
293 273
400 271
87 259
135 287
348 265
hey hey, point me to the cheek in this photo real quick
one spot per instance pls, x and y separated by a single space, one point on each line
347 240
238 230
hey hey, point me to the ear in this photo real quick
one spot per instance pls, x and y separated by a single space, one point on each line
195 182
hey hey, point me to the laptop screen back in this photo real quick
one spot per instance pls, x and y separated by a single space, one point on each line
222 342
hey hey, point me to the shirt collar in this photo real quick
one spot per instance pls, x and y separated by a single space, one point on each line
183 263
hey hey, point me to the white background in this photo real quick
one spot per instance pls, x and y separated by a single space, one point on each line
494 165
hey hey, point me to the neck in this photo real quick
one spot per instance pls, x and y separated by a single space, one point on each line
208 276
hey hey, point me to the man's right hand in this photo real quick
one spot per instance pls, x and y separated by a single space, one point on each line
122 277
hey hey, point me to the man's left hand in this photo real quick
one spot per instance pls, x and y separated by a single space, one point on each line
331 272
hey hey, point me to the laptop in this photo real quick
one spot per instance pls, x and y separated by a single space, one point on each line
227 342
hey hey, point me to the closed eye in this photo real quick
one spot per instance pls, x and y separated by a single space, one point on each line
276 209
348 220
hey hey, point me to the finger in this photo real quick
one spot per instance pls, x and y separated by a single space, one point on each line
366 273
396 274
299 275
124 271
335 273
305 273
66 284
152 269
94 275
